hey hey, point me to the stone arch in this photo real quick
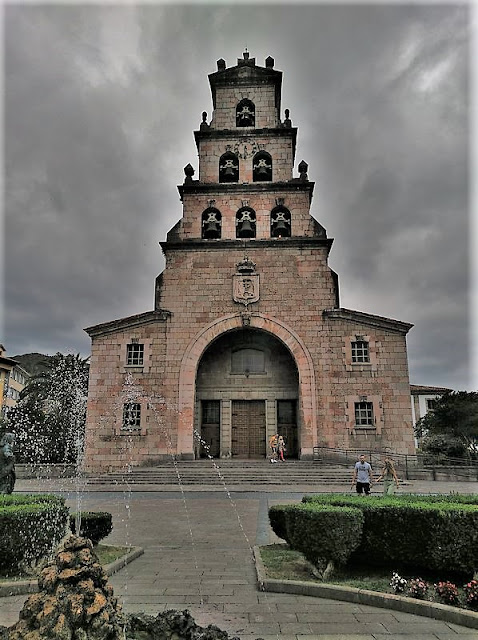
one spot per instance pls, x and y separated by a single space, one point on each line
273 326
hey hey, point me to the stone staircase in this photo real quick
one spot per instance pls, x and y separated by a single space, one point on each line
234 472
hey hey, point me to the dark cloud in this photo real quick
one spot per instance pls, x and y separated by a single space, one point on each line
100 105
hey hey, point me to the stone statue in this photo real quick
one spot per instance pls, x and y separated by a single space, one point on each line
7 463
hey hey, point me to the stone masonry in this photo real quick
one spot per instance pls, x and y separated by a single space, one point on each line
247 336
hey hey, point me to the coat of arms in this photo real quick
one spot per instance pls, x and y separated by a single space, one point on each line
245 283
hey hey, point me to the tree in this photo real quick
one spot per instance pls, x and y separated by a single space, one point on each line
455 418
49 419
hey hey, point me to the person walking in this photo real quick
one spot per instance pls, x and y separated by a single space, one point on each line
389 476
281 448
362 478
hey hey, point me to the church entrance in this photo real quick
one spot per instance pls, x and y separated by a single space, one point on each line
247 389
248 428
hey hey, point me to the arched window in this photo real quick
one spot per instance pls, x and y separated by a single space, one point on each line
245 113
262 167
211 224
280 222
246 223
228 167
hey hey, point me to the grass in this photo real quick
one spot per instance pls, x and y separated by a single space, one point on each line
282 563
106 554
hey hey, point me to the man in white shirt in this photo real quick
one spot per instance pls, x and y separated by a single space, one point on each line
362 478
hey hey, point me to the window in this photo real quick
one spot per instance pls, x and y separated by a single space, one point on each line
364 414
360 351
132 416
246 223
262 167
248 361
245 113
280 222
431 404
211 412
228 167
211 224
135 354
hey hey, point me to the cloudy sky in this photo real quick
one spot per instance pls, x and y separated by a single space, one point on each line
100 105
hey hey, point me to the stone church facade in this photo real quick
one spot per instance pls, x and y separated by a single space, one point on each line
247 337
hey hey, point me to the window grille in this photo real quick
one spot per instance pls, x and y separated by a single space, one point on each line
132 416
364 414
360 351
135 354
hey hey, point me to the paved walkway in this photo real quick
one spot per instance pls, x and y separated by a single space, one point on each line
198 556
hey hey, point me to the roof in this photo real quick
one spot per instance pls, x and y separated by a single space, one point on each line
160 315
422 390
368 319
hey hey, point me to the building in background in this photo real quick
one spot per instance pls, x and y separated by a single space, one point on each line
247 337
13 379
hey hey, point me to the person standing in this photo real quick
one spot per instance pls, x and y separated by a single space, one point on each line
362 477
7 463
389 476
273 442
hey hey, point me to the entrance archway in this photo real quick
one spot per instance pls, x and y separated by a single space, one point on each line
247 386
306 400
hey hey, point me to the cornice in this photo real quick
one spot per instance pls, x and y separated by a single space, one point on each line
197 187
380 322
96 330
250 244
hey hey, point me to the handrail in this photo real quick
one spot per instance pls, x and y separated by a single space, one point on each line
403 461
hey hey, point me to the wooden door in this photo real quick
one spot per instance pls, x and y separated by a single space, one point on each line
249 428
287 426
210 429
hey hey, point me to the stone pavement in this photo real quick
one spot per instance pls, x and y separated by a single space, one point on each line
198 555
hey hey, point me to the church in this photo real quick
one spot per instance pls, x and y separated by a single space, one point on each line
247 337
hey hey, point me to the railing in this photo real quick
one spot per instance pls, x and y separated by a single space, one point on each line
408 464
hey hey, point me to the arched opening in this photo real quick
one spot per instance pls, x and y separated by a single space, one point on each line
211 224
245 113
262 167
228 167
280 222
246 223
247 389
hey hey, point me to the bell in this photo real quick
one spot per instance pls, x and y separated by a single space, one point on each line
262 170
245 230
211 230
229 171
280 229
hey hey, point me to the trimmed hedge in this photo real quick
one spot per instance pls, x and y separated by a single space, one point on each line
434 533
324 534
30 528
94 525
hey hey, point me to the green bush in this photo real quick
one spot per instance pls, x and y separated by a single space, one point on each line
323 534
30 528
94 525
431 532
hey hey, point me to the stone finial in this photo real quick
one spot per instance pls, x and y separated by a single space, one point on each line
204 125
188 172
246 54
287 121
221 65
269 62
303 166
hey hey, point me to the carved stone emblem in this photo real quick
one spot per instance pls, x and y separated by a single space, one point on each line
245 283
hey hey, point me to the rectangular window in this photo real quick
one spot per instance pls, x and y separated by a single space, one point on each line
135 354
248 361
364 414
132 416
431 404
360 351
211 412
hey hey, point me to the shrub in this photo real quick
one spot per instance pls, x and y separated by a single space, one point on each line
325 535
94 525
418 588
447 592
30 528
408 530
471 593
277 519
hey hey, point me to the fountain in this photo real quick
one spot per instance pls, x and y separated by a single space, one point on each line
76 602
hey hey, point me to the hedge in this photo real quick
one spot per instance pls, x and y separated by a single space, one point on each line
30 528
324 534
417 531
94 525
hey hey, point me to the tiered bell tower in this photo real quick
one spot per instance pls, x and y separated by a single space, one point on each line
247 337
